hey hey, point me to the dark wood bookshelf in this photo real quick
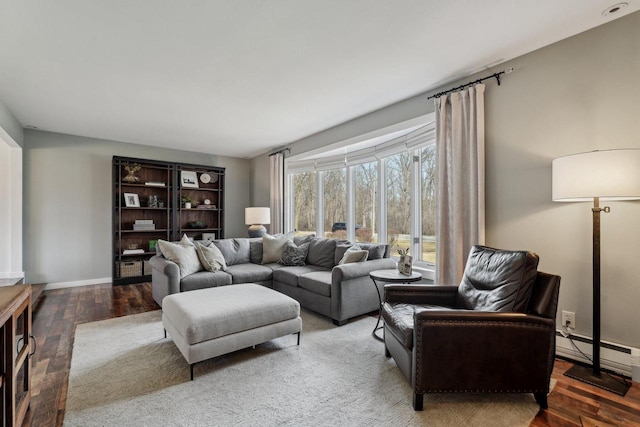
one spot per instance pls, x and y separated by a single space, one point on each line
170 221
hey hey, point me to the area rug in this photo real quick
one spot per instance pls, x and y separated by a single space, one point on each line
125 373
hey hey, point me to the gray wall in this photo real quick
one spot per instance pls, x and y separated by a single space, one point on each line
67 202
10 125
577 95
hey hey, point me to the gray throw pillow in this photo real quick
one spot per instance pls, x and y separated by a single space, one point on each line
211 258
322 252
255 250
183 255
293 254
341 249
376 250
235 251
298 240
354 254
272 247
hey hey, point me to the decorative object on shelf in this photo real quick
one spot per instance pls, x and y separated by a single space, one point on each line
152 201
612 175
155 184
189 179
197 224
132 251
144 225
256 217
152 245
207 201
208 236
188 201
405 262
161 204
131 169
205 178
131 200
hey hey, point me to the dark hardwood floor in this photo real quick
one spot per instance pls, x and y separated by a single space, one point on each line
571 403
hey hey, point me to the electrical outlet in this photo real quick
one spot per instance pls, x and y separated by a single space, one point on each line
569 319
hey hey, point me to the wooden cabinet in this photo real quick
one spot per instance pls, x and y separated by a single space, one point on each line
150 203
15 353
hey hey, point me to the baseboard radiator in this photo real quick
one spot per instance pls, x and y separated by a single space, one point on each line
614 357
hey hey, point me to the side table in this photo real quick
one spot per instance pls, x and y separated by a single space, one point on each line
389 276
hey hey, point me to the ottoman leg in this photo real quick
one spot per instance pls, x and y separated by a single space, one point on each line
298 338
191 370
165 333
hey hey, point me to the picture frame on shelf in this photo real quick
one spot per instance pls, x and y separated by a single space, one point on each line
208 236
131 200
189 179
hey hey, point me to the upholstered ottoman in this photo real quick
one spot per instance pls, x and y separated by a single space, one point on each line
211 322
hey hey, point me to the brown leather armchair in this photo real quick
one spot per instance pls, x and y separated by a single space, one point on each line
495 332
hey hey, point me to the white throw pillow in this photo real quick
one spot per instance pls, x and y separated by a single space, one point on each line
211 258
182 254
272 247
354 254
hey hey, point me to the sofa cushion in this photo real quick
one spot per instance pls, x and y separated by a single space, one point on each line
318 282
299 240
235 251
184 255
210 257
497 280
290 275
273 246
322 252
204 279
255 250
249 272
294 255
354 254
399 319
376 250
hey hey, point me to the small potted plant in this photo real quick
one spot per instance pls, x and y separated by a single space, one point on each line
186 201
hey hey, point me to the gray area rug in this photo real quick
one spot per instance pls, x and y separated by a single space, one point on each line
125 373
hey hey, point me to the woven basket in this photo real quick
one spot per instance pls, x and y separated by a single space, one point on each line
129 268
147 267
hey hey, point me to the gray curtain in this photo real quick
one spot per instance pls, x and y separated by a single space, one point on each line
460 180
276 199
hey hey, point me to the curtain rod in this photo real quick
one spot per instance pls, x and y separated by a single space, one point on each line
494 75
282 150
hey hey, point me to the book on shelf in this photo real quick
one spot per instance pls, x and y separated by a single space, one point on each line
155 184
144 221
132 251
143 227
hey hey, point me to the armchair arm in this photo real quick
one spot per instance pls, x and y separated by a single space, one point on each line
442 295
464 350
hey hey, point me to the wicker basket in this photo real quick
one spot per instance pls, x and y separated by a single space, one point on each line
147 267
129 268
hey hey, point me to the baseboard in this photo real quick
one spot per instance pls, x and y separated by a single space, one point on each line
61 285
614 357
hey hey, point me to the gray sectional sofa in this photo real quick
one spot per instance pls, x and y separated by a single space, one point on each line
337 291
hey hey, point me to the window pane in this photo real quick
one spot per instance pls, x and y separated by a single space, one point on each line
366 202
399 201
428 190
335 203
304 194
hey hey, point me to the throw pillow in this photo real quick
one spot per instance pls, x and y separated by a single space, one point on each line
211 258
185 240
298 240
272 247
294 255
255 250
322 252
354 254
182 254
376 250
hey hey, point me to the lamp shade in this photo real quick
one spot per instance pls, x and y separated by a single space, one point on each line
607 174
257 216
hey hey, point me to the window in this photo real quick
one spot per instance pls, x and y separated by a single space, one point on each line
370 189
304 197
366 202
428 201
399 201
334 202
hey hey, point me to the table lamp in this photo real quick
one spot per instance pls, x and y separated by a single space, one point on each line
256 217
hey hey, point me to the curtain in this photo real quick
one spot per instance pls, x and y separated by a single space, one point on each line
460 180
276 199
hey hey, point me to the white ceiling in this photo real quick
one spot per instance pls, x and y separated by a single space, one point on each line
237 78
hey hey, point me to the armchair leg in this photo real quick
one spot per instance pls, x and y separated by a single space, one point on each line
417 402
541 398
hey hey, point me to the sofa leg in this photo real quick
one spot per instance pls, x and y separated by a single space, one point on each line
191 370
339 322
541 398
298 338
386 352
417 401
165 333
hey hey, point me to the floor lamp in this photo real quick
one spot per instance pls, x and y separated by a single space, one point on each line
608 175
